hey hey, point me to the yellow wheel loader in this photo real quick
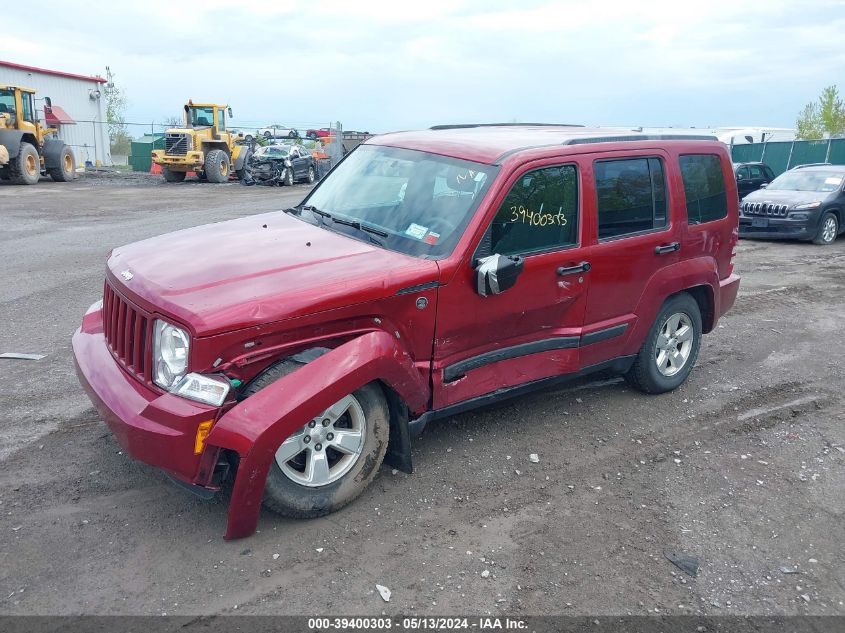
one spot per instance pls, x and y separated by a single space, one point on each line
26 152
202 146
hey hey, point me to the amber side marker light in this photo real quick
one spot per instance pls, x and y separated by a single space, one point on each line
203 430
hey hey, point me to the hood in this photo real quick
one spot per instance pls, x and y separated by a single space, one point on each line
256 270
785 196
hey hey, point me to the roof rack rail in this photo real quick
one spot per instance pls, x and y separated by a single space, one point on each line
811 165
458 126
639 137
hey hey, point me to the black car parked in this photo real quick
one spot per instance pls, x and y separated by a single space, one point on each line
751 176
804 203
280 165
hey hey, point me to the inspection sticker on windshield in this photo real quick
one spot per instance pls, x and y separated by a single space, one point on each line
416 231
431 238
834 180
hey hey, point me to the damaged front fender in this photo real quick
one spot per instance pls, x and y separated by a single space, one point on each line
256 427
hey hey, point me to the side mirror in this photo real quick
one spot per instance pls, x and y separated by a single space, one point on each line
48 102
764 185
230 111
497 273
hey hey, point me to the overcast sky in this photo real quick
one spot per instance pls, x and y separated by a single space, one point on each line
384 66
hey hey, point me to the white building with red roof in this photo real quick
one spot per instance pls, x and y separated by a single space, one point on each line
78 110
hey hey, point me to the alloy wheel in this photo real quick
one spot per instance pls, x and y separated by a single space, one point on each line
326 448
829 229
674 344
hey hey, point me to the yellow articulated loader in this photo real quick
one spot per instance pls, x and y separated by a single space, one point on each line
26 152
203 146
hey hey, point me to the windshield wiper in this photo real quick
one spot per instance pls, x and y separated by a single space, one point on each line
318 212
355 224
359 226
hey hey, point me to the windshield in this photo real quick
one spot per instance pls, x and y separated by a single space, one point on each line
273 151
421 201
201 117
7 101
807 181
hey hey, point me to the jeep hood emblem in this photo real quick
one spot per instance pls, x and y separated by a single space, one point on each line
127 274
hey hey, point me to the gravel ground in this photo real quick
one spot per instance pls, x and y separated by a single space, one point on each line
741 468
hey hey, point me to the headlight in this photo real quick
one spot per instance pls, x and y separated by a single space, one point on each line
170 354
207 389
808 205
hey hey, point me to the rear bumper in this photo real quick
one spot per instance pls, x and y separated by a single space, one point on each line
728 289
184 162
154 428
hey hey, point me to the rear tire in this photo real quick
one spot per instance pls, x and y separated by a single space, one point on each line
26 166
172 176
671 348
828 230
288 490
217 166
66 171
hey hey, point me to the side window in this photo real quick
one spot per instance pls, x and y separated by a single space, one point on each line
742 173
631 196
221 121
539 213
756 172
704 186
770 175
26 104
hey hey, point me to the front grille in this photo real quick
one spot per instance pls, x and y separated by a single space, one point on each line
765 208
127 331
177 144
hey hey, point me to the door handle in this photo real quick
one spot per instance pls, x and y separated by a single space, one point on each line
574 270
668 248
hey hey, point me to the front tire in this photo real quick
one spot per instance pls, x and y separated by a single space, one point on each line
671 348
26 166
66 171
172 176
331 460
312 175
288 177
216 166
828 230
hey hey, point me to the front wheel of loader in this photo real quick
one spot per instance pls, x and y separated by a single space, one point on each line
26 166
172 176
217 166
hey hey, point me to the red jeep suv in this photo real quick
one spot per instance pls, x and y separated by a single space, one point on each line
429 273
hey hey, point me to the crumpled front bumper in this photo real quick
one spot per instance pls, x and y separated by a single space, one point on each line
154 428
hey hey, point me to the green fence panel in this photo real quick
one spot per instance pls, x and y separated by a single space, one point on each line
837 151
784 155
808 152
747 153
776 156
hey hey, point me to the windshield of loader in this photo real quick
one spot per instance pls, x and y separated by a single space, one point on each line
201 117
7 101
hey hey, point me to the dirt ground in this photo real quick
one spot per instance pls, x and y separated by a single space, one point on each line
742 467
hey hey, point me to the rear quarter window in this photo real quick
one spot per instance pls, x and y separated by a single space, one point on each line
704 188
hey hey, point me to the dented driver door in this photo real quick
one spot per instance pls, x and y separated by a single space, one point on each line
531 331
